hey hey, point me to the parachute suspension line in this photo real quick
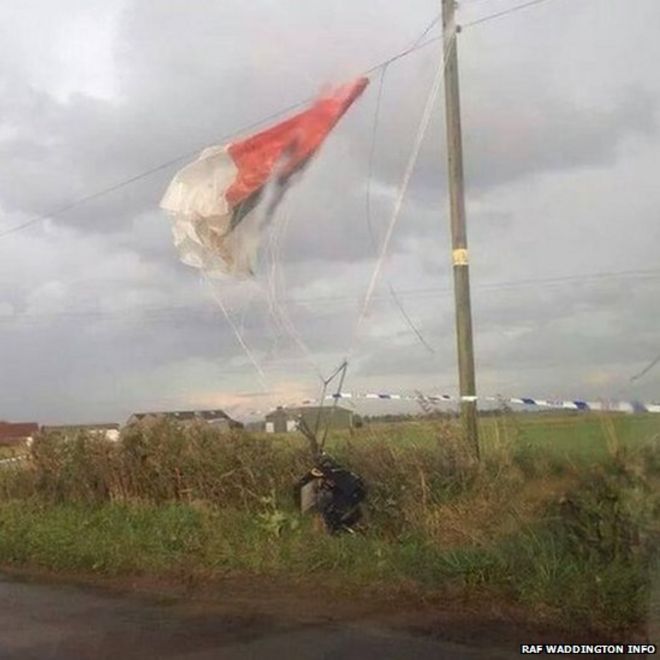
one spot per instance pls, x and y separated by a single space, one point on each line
409 321
269 289
278 288
374 242
218 299
273 272
417 145
372 154
241 327
421 132
276 283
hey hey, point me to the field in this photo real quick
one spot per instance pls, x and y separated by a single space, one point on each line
11 452
559 518
572 436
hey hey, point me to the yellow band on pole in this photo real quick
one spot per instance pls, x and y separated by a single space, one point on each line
460 257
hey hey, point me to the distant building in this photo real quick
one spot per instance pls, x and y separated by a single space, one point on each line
283 420
216 418
15 434
108 431
255 427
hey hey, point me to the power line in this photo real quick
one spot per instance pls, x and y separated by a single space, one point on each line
172 311
504 12
427 29
640 273
651 272
404 53
173 161
141 175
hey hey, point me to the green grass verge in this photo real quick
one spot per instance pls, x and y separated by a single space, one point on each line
569 531
583 563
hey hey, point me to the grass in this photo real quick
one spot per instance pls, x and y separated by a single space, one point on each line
569 436
12 452
565 529
577 437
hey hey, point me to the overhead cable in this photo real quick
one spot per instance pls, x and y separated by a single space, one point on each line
504 12
177 159
421 293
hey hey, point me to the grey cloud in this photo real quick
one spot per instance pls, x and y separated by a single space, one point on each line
548 135
184 79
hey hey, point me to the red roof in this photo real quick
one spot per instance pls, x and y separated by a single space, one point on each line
9 431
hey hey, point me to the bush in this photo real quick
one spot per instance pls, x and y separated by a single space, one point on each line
592 556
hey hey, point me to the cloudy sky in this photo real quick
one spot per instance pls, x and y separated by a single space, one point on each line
561 107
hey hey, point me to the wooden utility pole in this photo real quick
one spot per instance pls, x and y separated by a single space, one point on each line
467 381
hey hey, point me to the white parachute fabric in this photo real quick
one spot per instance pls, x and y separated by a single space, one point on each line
204 238
201 218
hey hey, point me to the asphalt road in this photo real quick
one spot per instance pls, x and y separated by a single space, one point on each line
54 622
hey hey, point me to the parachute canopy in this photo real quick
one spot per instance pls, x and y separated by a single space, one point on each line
218 203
